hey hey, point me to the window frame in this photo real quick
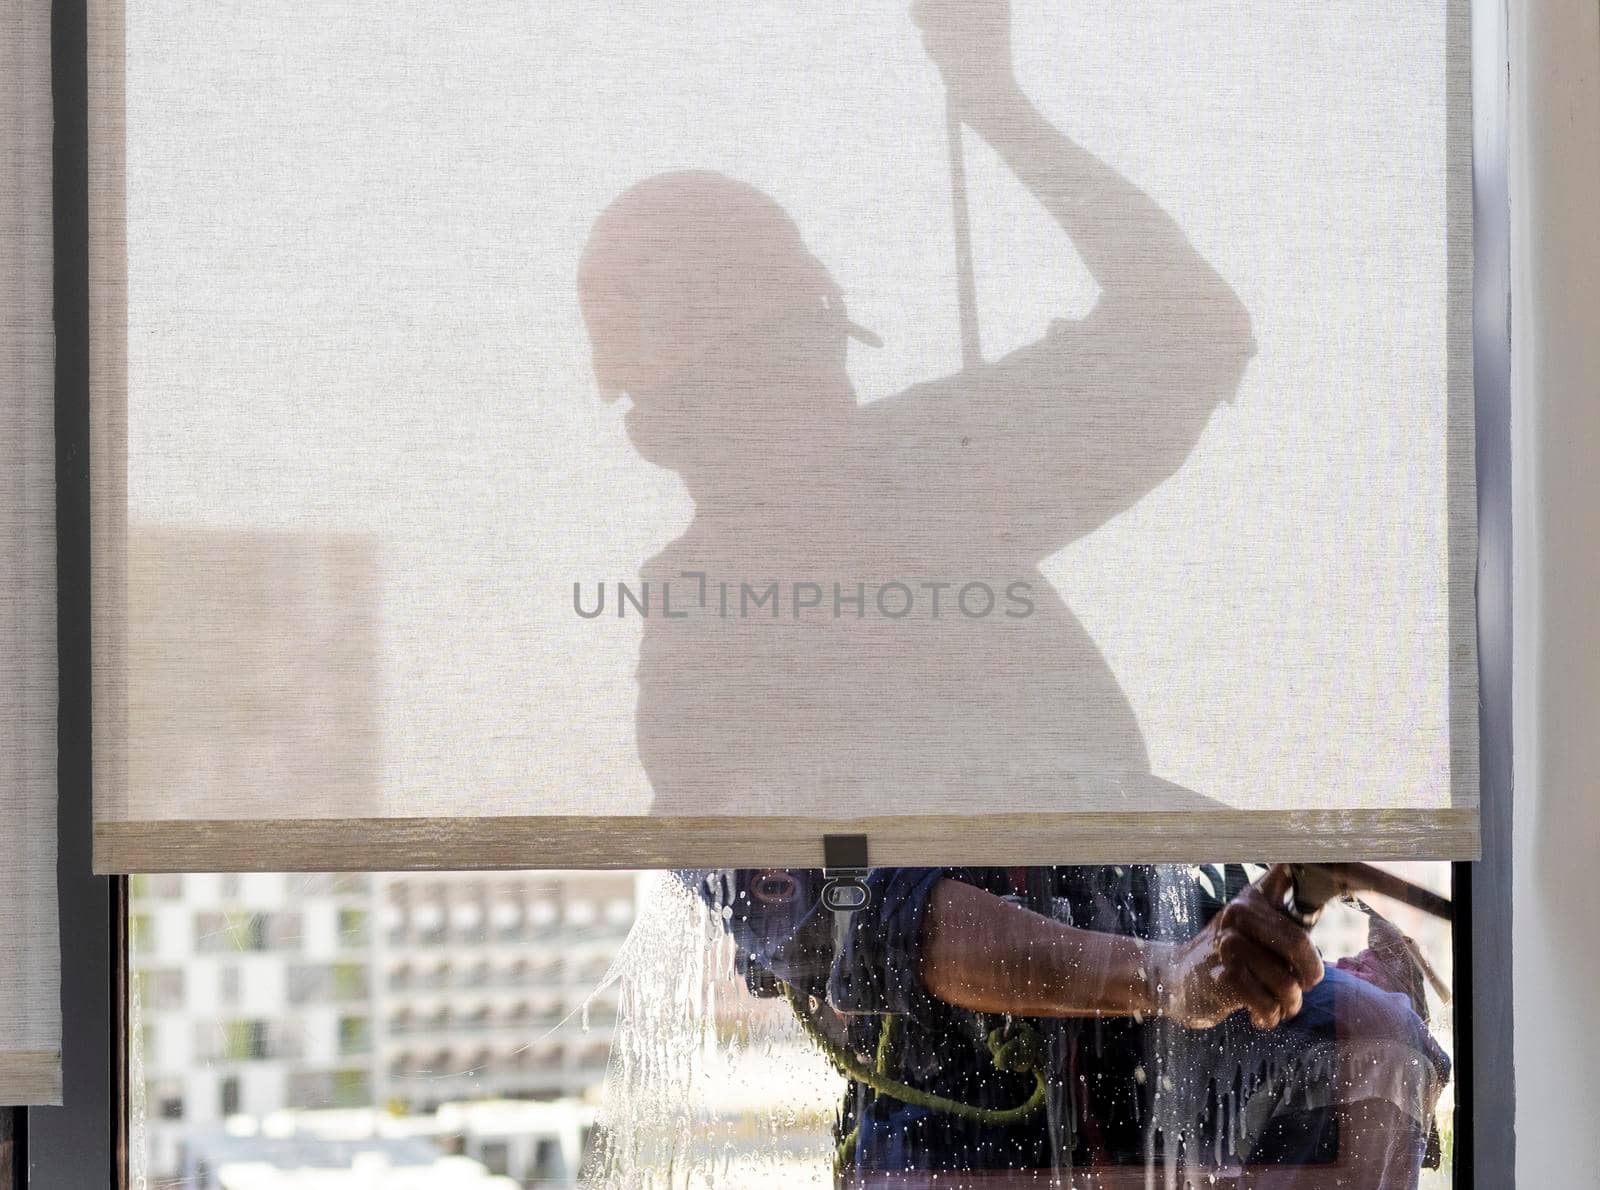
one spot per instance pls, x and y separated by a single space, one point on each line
85 1143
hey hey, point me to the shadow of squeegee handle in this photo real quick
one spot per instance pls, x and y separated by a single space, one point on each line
1312 886
961 219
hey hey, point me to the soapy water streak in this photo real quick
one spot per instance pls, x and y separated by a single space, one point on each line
707 1087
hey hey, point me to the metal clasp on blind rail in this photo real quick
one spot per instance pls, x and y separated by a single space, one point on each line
844 868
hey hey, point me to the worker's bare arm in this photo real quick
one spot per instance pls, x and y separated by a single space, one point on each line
982 953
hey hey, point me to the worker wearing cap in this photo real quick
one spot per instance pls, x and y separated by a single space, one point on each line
804 652
857 598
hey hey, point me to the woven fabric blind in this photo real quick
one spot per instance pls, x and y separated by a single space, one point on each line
666 432
30 999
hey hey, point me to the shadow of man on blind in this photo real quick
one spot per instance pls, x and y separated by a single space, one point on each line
854 622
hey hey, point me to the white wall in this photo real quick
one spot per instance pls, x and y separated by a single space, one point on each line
1555 248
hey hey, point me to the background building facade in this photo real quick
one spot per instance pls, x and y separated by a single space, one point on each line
257 993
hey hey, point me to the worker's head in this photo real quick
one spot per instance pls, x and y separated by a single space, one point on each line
707 310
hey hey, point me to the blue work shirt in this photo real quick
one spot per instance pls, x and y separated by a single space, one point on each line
1109 1078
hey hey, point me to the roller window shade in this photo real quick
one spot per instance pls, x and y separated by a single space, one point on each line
496 462
30 999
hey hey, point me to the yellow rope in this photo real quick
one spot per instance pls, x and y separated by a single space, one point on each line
1019 1050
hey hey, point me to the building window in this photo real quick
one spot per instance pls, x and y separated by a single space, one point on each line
159 990
228 984
142 931
355 1035
496 1157
342 982
164 886
352 927
244 1040
218 932
349 981
351 1088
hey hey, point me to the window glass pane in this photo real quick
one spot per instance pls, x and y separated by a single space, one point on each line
983 1027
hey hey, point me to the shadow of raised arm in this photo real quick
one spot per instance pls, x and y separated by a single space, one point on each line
1063 434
